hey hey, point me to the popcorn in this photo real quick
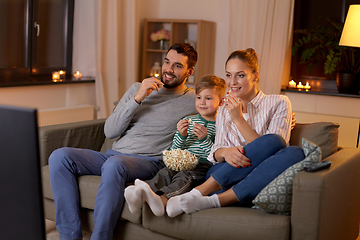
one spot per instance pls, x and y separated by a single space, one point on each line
180 160
190 120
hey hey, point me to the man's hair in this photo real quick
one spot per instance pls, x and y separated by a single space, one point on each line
210 82
188 51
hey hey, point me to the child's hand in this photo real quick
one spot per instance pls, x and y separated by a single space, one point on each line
200 131
182 126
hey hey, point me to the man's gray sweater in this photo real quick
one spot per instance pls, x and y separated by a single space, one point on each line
148 128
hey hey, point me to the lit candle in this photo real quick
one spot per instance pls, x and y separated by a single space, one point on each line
77 75
307 86
292 84
55 76
62 74
300 86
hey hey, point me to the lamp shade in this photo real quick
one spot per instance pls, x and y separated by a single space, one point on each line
350 35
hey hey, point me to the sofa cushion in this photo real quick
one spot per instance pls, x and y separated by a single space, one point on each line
323 134
88 187
276 197
220 223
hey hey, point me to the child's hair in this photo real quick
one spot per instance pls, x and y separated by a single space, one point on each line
209 82
248 56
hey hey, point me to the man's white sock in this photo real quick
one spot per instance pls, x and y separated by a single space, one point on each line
173 207
154 200
192 203
133 198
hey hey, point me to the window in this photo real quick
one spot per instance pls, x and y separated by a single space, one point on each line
35 39
309 15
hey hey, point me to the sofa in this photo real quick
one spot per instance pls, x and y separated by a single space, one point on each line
325 204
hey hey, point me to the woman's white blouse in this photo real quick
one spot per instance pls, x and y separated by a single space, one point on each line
266 114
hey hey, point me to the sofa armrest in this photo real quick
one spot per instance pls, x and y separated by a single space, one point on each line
326 204
85 134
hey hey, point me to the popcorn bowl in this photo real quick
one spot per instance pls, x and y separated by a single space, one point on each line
179 160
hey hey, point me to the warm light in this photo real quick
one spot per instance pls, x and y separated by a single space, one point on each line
155 70
351 32
307 86
77 75
62 74
55 76
300 86
292 84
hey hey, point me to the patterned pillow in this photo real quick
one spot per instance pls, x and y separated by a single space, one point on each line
276 197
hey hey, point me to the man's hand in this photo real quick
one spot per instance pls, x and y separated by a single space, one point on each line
148 85
200 131
182 126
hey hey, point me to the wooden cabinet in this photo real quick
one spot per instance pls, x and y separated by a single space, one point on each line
199 33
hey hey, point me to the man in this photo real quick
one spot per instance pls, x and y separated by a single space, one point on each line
144 121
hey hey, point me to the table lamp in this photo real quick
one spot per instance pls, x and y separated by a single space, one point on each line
351 32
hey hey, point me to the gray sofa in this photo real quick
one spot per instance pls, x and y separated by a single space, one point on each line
325 204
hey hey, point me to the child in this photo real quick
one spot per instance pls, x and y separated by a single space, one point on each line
195 133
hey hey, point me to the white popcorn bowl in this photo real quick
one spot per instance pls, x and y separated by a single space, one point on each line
180 160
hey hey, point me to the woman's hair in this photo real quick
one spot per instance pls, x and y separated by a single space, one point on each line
210 82
188 51
248 56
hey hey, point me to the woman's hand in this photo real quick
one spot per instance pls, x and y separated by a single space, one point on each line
147 86
234 107
200 131
182 126
235 157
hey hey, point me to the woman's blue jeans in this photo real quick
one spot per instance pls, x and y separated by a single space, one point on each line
269 157
115 169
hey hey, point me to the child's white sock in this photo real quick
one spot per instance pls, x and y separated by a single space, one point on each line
133 198
154 200
173 207
192 203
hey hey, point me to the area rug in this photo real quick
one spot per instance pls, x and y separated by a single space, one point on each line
52 233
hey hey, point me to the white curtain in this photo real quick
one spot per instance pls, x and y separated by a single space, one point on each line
266 26
116 36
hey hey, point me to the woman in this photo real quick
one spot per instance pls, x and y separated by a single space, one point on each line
250 149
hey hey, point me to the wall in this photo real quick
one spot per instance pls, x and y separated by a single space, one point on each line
341 110
49 96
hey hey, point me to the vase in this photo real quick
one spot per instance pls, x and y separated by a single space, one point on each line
346 83
163 44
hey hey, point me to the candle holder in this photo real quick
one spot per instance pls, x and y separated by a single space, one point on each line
77 75
156 71
292 84
62 74
56 76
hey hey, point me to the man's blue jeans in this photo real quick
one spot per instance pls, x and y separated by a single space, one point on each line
269 157
115 169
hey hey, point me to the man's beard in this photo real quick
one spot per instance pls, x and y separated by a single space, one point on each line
176 82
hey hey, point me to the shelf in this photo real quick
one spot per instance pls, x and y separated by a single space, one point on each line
199 33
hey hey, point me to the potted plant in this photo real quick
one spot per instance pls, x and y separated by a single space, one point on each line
322 45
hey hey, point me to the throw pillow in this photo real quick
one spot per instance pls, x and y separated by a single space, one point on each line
323 134
276 197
